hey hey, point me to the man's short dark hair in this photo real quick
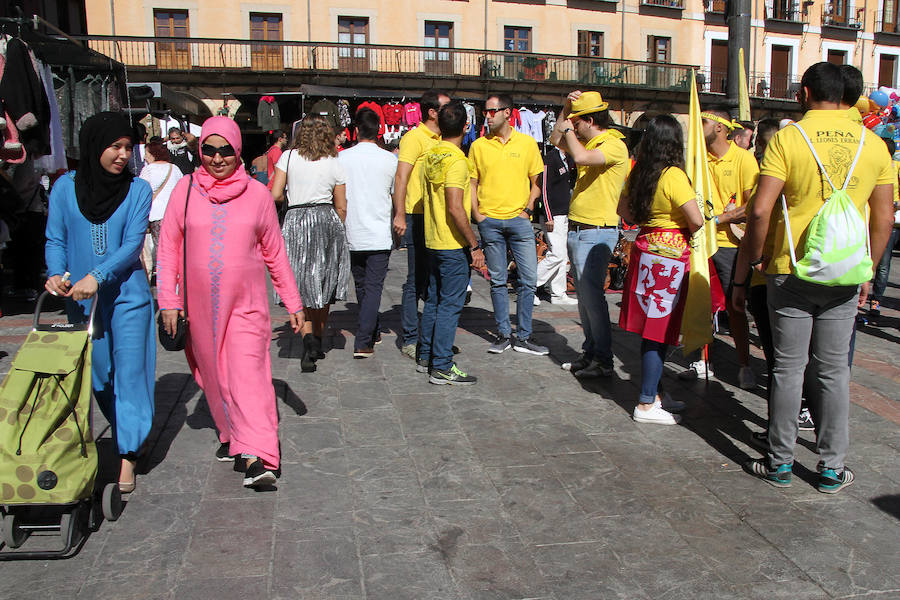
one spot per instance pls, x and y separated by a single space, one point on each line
276 135
452 119
504 100
599 119
748 125
853 84
367 124
766 127
717 110
825 83
174 130
430 99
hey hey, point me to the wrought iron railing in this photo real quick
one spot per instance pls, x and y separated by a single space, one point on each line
841 21
664 3
206 54
789 11
887 22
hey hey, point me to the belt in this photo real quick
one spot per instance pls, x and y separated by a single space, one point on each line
309 205
576 226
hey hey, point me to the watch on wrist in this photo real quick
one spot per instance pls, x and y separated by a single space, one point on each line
757 262
477 246
528 211
567 130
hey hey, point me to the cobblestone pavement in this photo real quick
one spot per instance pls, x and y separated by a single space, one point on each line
529 484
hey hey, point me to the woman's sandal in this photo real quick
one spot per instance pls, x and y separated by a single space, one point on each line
127 487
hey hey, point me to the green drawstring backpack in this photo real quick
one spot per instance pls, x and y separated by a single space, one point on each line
47 452
836 251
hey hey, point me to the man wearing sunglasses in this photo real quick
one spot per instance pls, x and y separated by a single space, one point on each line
507 164
583 130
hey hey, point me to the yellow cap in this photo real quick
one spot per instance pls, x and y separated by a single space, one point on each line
588 102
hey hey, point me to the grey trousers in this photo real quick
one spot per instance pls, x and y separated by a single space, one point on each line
810 323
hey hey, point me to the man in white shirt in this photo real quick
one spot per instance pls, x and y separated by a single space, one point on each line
370 181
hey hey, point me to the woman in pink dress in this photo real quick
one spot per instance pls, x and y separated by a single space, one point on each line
231 236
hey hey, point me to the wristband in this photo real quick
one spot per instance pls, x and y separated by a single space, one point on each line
477 246
756 263
716 219
567 130
528 211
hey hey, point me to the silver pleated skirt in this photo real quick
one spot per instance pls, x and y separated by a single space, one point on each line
317 249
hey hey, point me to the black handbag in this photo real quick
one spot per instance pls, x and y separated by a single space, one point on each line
177 342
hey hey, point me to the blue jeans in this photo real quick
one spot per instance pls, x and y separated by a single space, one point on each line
516 233
416 277
653 356
448 276
589 252
883 268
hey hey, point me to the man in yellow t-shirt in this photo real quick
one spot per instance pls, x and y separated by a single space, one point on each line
409 223
506 165
583 130
448 239
735 172
812 323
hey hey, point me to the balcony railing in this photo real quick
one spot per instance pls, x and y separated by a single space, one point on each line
787 11
677 4
842 22
204 55
887 22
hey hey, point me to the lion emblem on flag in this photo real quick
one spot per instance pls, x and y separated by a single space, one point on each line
659 280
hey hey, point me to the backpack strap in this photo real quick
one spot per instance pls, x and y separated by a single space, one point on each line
784 208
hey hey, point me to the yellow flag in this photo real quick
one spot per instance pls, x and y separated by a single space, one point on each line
743 94
696 323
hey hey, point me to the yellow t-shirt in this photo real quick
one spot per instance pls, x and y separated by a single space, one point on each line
736 172
896 164
444 166
597 190
503 172
413 145
673 190
788 158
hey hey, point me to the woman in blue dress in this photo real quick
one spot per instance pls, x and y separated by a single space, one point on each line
95 230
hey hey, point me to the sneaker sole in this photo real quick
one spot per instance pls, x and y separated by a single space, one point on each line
363 355
529 351
267 478
825 489
654 421
438 381
225 458
497 350
421 369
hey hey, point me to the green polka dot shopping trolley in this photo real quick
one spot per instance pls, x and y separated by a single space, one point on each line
48 458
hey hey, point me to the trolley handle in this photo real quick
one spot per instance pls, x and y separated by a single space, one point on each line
40 303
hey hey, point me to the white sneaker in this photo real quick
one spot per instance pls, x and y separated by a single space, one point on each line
672 405
537 301
656 415
746 378
696 370
563 300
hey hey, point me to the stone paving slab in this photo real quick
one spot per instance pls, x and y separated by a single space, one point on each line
530 484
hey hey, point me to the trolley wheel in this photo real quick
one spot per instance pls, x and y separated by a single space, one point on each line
13 534
111 502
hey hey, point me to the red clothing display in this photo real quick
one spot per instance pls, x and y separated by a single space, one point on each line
393 114
378 111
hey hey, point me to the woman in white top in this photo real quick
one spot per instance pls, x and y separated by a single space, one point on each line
162 176
309 178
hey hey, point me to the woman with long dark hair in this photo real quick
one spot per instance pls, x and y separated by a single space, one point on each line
95 228
311 180
659 197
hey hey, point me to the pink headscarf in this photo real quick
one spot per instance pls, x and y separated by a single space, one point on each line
223 190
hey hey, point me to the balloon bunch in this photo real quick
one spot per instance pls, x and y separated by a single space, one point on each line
881 113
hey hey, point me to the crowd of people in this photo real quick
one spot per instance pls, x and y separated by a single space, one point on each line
208 231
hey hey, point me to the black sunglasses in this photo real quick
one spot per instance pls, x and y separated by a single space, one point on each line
223 151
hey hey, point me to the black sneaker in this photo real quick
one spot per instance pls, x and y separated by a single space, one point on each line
500 346
831 482
804 421
452 376
780 476
223 454
258 475
529 347
423 365
760 440
578 364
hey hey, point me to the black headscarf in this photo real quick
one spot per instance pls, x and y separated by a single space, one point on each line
98 191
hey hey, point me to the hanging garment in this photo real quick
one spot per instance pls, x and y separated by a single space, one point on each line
268 117
328 110
378 111
533 124
56 159
412 113
344 113
23 97
393 114
515 119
